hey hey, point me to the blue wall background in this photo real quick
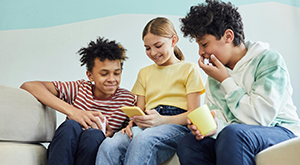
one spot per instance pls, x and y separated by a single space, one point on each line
27 14
39 39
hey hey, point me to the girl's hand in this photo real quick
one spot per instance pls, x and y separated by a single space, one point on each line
151 120
127 130
109 132
217 70
197 133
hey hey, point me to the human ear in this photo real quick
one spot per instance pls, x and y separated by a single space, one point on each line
228 36
89 75
174 40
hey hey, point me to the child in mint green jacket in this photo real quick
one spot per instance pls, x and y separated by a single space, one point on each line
248 90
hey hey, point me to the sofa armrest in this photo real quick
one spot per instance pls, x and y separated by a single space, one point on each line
286 152
23 118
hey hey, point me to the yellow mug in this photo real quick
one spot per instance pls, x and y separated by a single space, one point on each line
203 119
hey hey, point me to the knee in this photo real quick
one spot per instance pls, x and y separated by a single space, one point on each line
142 139
92 136
115 143
71 125
191 150
230 136
184 145
69 128
231 131
90 140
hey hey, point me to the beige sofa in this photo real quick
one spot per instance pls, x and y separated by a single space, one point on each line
25 123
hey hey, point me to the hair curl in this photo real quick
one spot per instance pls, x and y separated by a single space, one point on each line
102 49
213 18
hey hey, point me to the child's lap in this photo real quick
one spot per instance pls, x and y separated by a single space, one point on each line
162 132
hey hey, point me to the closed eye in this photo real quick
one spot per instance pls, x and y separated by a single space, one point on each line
159 46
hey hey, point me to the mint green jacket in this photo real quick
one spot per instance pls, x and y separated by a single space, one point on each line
258 92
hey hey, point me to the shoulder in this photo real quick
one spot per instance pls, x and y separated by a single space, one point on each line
271 58
81 82
190 66
124 92
147 68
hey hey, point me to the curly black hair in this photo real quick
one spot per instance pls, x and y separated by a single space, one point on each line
213 17
102 49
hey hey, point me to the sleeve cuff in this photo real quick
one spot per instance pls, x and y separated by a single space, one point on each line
229 85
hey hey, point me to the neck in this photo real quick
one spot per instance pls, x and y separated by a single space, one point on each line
238 53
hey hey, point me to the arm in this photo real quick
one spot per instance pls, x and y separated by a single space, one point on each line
141 104
217 113
154 118
258 102
46 93
193 102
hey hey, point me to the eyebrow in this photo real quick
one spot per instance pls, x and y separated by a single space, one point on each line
153 44
106 70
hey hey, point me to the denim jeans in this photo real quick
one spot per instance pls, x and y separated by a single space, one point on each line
152 145
237 144
73 146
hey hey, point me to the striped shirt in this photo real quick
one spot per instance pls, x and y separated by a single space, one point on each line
80 95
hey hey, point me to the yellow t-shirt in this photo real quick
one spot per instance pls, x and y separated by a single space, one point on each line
168 85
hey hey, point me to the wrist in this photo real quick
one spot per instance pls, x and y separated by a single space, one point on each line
70 111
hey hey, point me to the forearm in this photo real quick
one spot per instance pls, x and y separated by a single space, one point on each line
180 119
47 96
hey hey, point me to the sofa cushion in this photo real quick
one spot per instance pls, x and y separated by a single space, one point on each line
286 153
21 153
23 118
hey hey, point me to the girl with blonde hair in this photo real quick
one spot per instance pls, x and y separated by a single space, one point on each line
166 91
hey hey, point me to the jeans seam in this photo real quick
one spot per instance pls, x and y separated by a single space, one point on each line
162 140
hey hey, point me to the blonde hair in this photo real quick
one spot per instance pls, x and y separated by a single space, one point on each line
163 27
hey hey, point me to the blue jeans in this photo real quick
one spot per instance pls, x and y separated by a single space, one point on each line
73 146
237 144
150 146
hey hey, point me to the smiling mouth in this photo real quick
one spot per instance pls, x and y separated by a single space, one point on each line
207 60
110 86
156 58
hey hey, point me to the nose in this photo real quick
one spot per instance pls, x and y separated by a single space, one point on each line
111 77
153 52
201 52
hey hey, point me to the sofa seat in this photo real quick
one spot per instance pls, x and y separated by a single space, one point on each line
25 124
13 153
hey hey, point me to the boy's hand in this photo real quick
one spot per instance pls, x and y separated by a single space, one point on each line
197 133
127 130
217 70
87 118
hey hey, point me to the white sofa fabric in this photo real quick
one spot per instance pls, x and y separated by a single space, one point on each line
14 153
24 124
284 153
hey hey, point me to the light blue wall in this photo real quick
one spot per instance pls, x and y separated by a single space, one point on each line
27 14
39 38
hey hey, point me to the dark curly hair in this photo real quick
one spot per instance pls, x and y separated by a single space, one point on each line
213 17
102 49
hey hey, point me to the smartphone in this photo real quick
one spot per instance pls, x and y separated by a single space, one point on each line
132 111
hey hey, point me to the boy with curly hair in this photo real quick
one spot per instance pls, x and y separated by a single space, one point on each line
248 90
77 139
